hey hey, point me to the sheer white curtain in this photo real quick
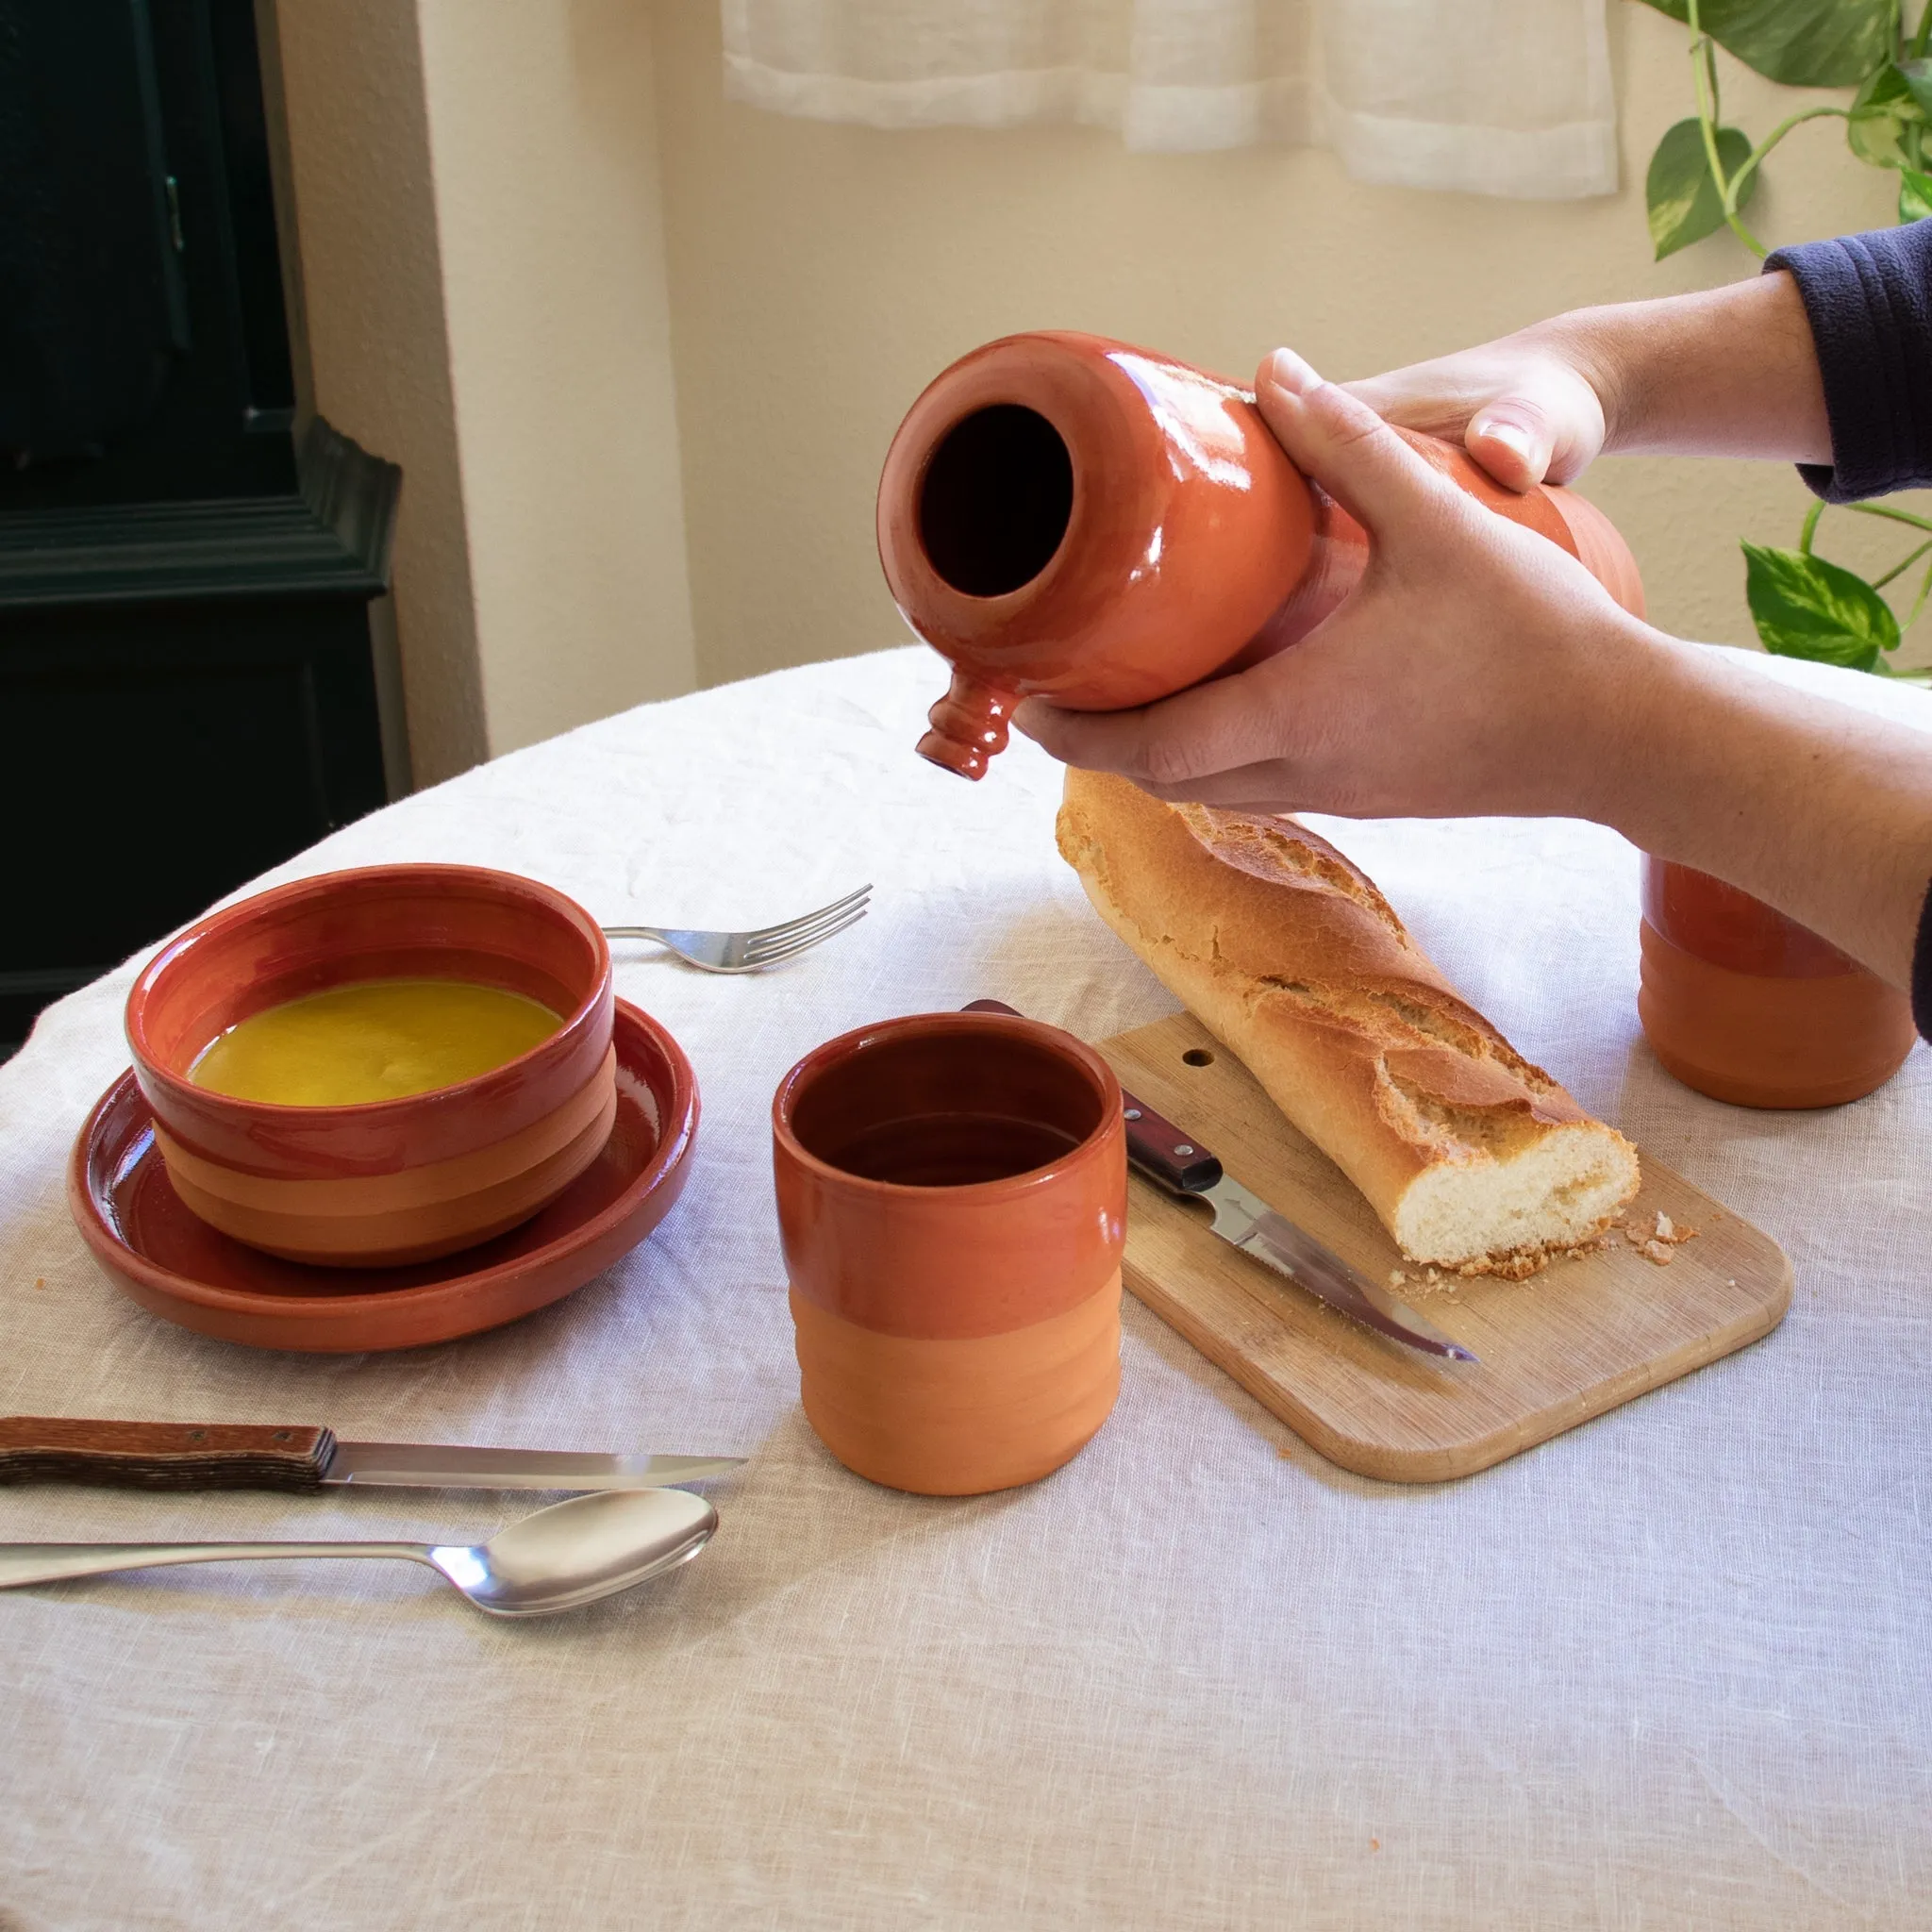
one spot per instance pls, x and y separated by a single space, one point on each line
1491 96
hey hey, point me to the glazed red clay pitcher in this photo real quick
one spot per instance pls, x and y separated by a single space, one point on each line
1068 517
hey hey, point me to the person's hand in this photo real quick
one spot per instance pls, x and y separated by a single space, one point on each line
1721 371
1475 669
1529 409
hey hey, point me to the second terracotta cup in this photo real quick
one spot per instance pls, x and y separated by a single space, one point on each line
1749 1006
951 1197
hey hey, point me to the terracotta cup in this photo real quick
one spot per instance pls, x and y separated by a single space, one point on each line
1064 516
389 1181
1747 1006
951 1196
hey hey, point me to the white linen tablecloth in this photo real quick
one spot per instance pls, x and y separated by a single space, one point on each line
1668 1671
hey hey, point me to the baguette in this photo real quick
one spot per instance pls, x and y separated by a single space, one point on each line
1476 1159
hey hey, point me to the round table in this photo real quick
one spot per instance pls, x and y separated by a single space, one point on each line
1668 1669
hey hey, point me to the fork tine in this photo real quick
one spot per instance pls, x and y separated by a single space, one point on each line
806 930
770 954
768 950
805 919
807 935
790 948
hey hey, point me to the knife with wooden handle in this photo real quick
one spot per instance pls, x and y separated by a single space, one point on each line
237 1456
1175 1160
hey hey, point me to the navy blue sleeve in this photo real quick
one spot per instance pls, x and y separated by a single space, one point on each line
1922 972
1869 300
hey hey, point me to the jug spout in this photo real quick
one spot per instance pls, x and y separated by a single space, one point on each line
969 726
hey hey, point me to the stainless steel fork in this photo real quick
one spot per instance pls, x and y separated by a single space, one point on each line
745 952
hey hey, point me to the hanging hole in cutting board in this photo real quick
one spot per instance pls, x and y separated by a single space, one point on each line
1197 1057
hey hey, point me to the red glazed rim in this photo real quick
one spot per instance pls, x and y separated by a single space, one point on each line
1043 371
440 1122
506 1291
1055 1040
961 390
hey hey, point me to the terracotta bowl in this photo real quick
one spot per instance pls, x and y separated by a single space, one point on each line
952 1198
391 1181
179 1267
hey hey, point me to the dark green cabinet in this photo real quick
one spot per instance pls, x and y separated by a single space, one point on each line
192 687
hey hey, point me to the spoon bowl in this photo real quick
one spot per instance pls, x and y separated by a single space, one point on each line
557 1558
575 1552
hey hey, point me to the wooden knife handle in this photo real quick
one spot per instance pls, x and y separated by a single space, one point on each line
1162 1151
1155 1144
162 1456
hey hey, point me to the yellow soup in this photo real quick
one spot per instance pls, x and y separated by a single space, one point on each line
377 1040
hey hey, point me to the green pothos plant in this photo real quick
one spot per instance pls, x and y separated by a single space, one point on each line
1702 178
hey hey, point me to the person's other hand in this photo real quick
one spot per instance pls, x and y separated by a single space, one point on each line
1476 668
1524 407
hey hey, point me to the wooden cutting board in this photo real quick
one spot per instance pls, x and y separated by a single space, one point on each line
1557 1349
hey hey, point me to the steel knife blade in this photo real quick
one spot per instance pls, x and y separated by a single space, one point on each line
1172 1160
229 1456
431 1466
1257 1229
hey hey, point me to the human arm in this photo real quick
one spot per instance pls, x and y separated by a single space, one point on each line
1824 360
1477 669
1723 371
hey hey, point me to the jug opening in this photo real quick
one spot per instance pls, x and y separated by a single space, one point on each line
995 500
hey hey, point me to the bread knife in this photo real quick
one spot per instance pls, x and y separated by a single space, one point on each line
229 1456
1166 1156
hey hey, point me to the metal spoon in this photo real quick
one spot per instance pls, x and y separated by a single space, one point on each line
557 1558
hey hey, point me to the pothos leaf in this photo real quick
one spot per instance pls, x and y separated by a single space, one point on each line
1917 77
1914 195
1681 197
1805 608
1801 43
1886 105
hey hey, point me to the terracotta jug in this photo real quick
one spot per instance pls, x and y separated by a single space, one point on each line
1747 1006
1065 516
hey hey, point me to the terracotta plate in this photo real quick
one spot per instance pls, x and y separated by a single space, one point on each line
183 1270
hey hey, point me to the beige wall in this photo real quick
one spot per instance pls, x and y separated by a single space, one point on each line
477 203
372 275
544 146
821 275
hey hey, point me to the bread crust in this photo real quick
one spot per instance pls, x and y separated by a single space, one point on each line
1286 951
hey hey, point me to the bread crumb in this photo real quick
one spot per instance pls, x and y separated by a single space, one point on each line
1521 1263
1661 1229
1659 1252
1396 1278
1374 1844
